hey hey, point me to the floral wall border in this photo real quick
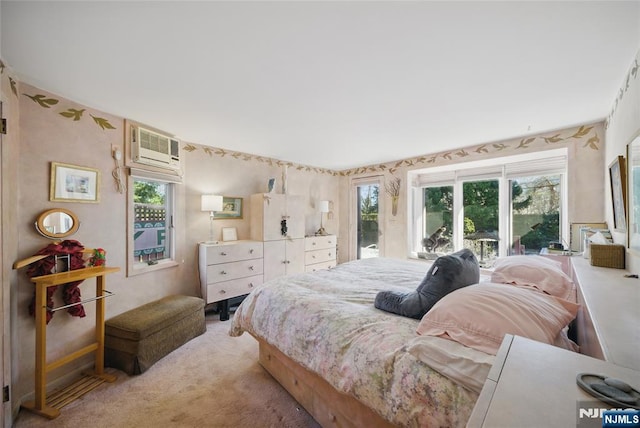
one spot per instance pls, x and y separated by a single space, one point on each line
632 75
47 102
467 153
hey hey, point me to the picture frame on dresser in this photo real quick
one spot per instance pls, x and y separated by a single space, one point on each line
617 177
229 234
633 194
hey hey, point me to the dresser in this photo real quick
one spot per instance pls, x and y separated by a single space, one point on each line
319 252
278 220
228 270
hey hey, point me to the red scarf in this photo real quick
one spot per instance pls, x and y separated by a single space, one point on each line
71 292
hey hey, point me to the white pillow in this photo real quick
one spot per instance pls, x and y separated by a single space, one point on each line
535 271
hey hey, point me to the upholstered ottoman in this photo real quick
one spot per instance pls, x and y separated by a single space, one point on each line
138 338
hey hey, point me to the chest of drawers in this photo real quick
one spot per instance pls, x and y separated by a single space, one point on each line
229 270
319 252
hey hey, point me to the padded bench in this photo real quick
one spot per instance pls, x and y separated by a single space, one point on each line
138 338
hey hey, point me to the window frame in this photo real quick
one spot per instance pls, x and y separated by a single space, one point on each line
504 169
135 267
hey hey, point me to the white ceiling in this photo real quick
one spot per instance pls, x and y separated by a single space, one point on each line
330 84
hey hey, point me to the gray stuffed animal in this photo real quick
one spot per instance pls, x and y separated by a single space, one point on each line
447 273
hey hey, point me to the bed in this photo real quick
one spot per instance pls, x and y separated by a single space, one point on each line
350 364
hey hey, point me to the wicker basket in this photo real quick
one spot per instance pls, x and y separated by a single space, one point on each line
607 255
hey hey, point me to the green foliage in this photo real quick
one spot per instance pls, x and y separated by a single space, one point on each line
543 233
480 199
146 192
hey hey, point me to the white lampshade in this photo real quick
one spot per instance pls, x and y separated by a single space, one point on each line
323 206
211 203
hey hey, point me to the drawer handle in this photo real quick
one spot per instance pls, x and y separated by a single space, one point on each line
251 251
251 285
250 267
329 254
313 243
223 253
222 272
223 292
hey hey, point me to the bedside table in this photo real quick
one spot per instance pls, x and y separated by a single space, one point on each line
532 384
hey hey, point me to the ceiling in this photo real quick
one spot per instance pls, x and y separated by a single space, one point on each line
331 84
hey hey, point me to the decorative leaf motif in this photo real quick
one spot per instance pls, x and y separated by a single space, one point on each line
209 151
592 142
524 143
500 146
72 113
220 152
553 139
432 159
392 170
482 149
102 122
398 163
382 167
1 67
12 83
447 155
462 153
581 132
189 148
43 100
634 70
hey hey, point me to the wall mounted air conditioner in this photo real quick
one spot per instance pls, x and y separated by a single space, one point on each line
151 148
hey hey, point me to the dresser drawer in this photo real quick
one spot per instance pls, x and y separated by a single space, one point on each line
233 270
319 256
234 252
320 266
229 289
318 242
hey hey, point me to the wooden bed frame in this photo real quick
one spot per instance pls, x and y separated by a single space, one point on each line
328 406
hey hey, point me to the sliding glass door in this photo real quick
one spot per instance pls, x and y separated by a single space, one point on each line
367 218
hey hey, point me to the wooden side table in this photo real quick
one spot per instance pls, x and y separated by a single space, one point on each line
532 384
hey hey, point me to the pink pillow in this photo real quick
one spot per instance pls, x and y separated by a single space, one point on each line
478 316
535 271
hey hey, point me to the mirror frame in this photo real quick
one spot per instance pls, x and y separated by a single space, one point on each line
40 228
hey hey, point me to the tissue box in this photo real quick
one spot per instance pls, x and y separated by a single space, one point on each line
607 255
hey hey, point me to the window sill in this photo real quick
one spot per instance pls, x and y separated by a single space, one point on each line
142 268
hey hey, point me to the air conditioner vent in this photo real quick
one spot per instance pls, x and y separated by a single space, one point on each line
151 148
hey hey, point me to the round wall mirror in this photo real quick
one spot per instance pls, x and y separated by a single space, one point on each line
57 223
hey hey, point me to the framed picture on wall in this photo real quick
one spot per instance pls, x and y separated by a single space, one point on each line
619 193
633 196
72 183
231 208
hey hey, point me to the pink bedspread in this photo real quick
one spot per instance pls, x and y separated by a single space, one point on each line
326 322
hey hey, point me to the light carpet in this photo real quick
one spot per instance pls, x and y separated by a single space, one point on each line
213 380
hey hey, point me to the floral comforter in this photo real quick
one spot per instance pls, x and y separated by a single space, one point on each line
326 322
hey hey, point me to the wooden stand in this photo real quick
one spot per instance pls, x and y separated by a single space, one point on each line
87 383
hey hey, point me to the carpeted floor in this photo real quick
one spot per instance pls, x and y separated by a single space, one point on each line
212 381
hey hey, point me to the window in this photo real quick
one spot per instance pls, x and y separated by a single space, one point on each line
497 207
151 220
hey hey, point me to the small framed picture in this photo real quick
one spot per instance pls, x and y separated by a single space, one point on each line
71 183
229 234
231 209
271 184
